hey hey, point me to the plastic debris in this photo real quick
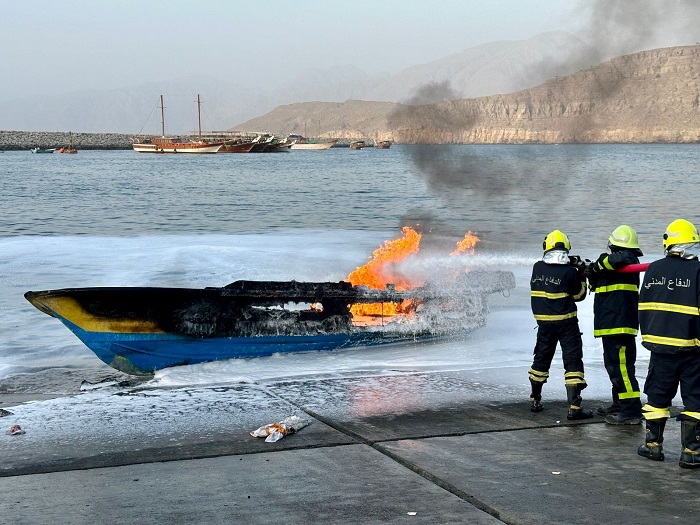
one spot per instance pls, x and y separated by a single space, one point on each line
15 430
276 431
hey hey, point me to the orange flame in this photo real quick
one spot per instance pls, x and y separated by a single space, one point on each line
379 272
467 243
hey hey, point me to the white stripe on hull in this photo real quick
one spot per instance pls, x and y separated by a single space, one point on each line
323 145
184 148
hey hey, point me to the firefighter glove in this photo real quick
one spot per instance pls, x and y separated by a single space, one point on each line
600 263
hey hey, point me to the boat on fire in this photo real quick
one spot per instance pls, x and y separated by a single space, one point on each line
139 330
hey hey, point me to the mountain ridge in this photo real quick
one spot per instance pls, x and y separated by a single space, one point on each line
489 68
649 96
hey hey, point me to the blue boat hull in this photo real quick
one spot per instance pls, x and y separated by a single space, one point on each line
141 330
143 354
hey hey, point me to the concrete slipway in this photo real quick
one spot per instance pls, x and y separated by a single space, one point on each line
424 447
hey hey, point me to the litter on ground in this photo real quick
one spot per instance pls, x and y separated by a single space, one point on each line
276 431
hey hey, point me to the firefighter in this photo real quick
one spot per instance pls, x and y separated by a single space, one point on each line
669 319
615 321
556 285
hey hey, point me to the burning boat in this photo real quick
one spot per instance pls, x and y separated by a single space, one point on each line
139 330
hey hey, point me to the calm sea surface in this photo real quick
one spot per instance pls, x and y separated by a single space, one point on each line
118 218
511 194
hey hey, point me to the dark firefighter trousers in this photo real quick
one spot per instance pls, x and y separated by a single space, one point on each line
666 372
568 335
619 356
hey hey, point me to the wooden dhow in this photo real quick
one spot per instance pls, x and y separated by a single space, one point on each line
165 144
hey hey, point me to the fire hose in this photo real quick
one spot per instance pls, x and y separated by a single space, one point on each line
634 268
580 264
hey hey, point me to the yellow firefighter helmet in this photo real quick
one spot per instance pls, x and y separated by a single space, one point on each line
625 236
680 231
556 240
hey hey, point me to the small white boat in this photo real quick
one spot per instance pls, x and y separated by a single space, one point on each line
42 150
301 142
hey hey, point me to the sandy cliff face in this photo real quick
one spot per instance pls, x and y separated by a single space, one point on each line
652 96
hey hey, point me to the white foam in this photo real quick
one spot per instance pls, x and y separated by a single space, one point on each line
33 339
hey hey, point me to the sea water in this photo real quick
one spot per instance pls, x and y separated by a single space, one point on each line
118 218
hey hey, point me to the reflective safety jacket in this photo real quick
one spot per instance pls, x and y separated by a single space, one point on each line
554 291
669 318
616 295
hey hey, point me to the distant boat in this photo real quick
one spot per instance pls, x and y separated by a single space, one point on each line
42 150
358 144
262 142
70 148
165 144
301 142
278 145
175 145
382 144
233 141
236 147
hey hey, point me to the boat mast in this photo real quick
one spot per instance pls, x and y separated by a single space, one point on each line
199 117
162 116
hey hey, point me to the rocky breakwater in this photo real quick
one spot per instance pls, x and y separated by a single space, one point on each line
25 140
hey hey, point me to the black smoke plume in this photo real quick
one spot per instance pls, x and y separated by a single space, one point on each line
519 186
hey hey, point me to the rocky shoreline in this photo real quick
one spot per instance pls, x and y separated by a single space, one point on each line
25 140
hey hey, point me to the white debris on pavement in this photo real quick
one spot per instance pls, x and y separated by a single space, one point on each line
276 431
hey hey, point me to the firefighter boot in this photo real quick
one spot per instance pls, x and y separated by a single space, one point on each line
536 396
614 408
652 448
690 439
573 395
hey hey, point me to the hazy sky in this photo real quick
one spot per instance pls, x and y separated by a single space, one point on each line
52 47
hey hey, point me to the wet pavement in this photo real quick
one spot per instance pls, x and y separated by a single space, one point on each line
429 447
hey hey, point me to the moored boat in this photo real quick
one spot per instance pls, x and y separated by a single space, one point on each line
236 147
141 330
262 142
42 150
165 144
382 144
301 142
176 145
70 148
278 145
358 144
